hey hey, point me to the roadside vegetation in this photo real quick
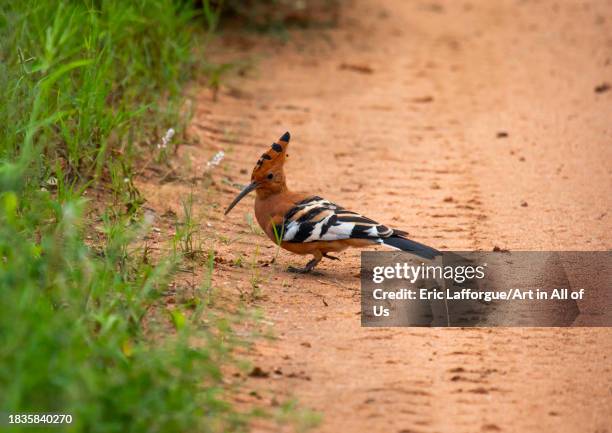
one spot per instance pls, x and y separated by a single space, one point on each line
87 85
88 88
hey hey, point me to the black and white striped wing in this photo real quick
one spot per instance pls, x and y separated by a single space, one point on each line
317 219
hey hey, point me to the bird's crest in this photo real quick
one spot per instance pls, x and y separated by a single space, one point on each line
273 158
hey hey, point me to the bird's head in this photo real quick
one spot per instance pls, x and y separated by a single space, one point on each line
268 175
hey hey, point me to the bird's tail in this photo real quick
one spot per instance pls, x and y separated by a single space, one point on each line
403 244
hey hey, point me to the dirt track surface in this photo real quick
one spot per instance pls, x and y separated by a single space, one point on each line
470 124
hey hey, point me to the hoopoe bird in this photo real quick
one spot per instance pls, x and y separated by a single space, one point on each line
308 224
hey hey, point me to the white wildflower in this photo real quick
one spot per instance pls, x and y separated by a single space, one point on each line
215 161
166 139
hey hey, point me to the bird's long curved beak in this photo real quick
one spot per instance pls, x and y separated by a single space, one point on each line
247 189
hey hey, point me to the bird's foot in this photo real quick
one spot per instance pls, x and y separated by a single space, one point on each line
327 256
306 269
295 270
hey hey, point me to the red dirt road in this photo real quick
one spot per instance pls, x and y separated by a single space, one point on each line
470 124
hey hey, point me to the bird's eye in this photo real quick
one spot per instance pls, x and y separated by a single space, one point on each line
270 176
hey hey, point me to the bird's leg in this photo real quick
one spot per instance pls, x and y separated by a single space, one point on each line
309 266
327 256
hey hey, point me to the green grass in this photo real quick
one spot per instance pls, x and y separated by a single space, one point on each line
91 89
76 337
89 79
88 86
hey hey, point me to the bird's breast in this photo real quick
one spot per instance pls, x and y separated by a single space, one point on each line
271 210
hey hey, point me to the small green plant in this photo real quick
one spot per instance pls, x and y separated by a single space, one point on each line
186 230
253 226
226 240
255 278
278 238
304 420
238 261
216 73
206 290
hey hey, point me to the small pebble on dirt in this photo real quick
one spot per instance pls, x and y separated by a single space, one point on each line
448 199
258 372
362 69
299 375
423 99
306 344
524 204
502 134
603 87
499 250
